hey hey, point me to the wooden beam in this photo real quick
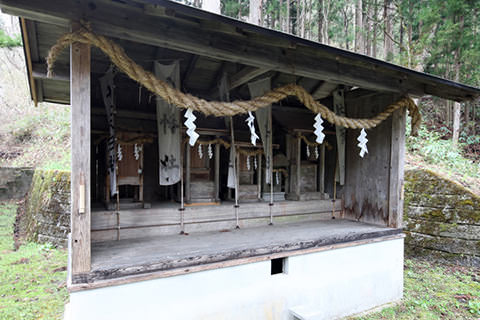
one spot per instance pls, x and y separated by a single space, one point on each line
324 90
40 72
397 159
28 57
80 177
191 67
245 75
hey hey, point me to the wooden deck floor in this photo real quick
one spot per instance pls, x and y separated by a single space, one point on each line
127 257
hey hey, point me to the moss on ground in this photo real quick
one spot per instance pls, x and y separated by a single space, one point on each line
32 278
435 291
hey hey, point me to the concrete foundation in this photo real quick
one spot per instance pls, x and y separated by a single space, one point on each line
323 285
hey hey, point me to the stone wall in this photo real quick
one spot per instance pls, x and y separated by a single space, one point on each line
441 218
14 182
46 213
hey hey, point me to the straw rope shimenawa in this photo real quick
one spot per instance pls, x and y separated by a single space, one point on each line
220 108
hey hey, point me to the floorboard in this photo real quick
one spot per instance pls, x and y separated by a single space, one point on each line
113 259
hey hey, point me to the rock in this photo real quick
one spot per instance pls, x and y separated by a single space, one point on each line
441 217
46 216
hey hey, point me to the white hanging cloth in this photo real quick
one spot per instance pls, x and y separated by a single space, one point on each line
319 129
251 126
210 152
107 86
190 124
168 127
263 115
231 183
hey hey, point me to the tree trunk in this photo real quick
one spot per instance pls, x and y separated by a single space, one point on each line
297 17
289 29
359 46
387 41
320 21
409 34
374 31
280 16
456 105
345 27
255 11
401 35
367 22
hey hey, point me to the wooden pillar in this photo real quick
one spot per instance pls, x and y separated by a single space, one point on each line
341 132
299 161
397 158
259 175
217 172
237 175
80 176
188 160
321 170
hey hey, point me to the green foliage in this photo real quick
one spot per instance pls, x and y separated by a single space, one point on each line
435 150
9 42
32 279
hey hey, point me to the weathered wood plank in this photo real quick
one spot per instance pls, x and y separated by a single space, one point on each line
168 215
245 75
397 159
156 254
80 180
223 264
367 179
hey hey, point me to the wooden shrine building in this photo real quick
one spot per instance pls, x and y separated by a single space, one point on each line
165 225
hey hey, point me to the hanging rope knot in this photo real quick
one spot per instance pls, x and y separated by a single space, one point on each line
218 108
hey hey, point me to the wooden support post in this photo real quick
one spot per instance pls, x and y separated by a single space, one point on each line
341 132
80 176
299 161
217 172
259 175
188 193
321 170
237 175
397 158
140 187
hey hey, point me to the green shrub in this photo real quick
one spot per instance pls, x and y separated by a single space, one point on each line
435 150
9 42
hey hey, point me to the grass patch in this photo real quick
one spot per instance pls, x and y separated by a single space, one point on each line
32 279
435 291
43 135
430 150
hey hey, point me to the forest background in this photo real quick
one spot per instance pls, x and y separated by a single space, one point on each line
433 36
